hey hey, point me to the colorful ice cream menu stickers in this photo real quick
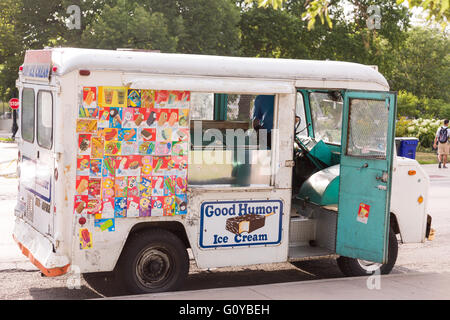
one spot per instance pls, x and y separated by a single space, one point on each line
132 155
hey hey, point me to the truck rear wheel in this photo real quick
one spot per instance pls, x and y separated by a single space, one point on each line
154 261
352 267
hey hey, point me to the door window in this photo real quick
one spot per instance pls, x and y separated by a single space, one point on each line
368 124
27 118
45 119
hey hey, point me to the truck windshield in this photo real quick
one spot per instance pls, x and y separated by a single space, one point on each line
326 111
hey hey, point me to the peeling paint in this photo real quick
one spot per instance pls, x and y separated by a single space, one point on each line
67 169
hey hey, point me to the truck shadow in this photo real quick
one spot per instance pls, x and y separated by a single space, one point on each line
264 274
107 285
63 293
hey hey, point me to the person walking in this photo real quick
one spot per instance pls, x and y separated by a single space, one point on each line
442 136
15 127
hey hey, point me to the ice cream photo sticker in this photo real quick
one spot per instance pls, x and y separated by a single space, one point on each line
131 156
363 213
240 223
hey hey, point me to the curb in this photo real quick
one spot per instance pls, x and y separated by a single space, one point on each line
17 266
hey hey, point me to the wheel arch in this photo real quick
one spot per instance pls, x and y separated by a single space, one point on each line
160 243
175 227
393 222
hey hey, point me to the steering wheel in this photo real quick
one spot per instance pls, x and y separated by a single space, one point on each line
306 152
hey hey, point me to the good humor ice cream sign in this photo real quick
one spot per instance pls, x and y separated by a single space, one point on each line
240 223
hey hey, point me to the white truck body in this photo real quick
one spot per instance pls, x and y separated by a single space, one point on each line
51 237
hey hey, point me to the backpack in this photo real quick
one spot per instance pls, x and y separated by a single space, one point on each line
443 135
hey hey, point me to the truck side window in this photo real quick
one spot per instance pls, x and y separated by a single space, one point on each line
326 110
301 126
27 116
45 119
202 106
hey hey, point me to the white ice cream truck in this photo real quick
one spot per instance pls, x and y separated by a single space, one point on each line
128 159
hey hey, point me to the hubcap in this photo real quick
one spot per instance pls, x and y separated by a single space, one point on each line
153 268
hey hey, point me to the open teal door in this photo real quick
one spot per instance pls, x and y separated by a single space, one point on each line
365 175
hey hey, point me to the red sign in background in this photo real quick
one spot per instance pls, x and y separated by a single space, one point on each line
14 103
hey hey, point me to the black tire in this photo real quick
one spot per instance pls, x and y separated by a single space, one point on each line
352 267
153 261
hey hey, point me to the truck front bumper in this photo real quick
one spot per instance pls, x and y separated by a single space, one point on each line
39 250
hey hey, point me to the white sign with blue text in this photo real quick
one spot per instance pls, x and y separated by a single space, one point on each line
240 223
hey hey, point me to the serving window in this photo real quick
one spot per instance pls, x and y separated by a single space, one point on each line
231 139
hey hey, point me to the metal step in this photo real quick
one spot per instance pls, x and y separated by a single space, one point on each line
301 230
305 251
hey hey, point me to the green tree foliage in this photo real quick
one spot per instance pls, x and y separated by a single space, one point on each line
438 10
189 26
415 61
201 26
24 24
411 106
34 24
266 32
10 46
128 26
422 64
90 11
408 104
284 33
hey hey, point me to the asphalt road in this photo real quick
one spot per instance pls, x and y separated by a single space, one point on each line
20 280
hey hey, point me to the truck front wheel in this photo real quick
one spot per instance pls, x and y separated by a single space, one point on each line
154 261
351 267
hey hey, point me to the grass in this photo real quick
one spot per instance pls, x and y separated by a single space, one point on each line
6 140
426 157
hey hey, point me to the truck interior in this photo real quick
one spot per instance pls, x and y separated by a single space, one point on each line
317 138
315 179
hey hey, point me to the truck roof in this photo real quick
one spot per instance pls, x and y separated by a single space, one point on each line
70 59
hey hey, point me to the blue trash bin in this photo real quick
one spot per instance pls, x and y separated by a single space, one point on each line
407 147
